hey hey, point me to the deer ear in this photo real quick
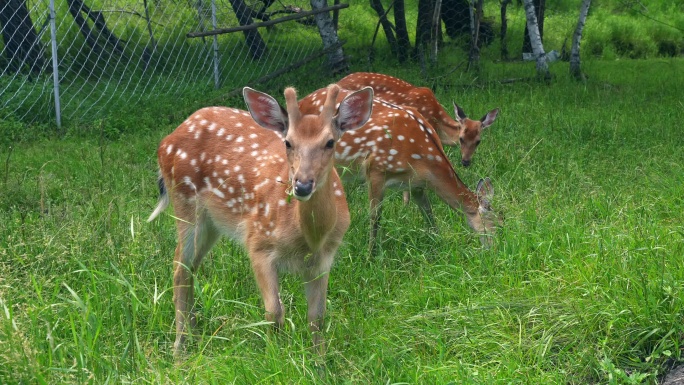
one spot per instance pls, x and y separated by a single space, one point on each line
459 113
355 110
485 190
265 110
488 119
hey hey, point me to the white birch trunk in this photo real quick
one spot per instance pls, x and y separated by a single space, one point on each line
575 70
326 29
535 39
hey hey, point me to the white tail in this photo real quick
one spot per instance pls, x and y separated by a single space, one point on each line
226 176
397 147
463 131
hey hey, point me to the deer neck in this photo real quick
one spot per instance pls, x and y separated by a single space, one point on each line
447 129
458 196
318 215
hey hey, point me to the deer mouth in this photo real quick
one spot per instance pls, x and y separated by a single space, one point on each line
304 190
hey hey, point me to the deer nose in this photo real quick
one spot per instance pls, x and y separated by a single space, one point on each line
465 162
303 189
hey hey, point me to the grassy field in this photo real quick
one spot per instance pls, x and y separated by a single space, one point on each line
584 284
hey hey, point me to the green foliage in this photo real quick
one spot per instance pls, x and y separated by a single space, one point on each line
584 283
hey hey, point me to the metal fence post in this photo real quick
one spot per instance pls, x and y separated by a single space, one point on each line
215 45
55 61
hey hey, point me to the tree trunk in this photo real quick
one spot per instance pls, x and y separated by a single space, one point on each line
386 25
403 41
426 9
336 60
22 45
257 47
539 6
436 30
504 29
575 70
475 17
535 40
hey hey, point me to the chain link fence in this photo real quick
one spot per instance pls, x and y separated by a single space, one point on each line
76 59
79 60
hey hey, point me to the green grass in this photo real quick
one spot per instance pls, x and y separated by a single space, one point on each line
583 286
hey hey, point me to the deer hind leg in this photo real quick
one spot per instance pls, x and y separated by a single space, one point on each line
196 239
266 275
376 193
422 200
316 289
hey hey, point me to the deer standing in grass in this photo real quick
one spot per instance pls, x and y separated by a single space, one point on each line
463 131
226 176
398 147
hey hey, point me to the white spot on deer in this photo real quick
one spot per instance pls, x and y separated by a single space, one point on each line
229 137
224 161
400 137
169 148
344 153
281 202
226 171
252 136
255 145
212 127
416 156
214 174
370 143
238 124
203 122
393 152
188 181
412 140
267 209
239 149
241 179
338 193
231 189
221 131
260 185
240 139
183 155
207 181
218 193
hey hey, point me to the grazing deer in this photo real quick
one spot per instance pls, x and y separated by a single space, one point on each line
225 176
463 130
397 147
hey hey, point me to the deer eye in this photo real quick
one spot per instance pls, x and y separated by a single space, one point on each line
330 143
288 145
461 140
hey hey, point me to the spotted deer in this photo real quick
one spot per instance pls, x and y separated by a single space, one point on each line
463 131
398 147
226 176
